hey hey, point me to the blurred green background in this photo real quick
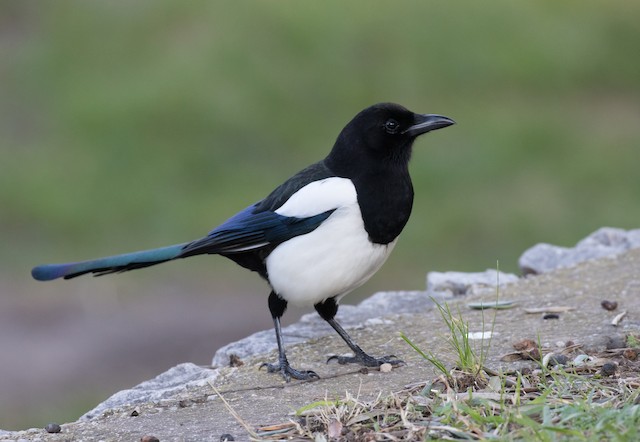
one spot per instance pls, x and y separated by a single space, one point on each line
130 125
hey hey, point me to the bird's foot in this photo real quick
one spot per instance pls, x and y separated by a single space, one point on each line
289 372
366 360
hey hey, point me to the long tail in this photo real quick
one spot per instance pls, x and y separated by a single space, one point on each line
110 264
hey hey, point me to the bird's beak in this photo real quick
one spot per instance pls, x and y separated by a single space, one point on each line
426 123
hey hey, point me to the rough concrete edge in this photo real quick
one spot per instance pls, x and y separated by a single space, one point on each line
166 385
605 242
368 312
188 376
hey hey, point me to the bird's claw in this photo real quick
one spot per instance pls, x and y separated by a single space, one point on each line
289 372
366 360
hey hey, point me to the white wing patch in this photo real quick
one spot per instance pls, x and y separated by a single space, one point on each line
320 196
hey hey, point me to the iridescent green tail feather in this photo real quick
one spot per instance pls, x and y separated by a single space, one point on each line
110 264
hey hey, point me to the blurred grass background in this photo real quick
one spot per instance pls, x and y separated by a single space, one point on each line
130 125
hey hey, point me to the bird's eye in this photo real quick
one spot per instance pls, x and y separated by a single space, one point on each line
391 126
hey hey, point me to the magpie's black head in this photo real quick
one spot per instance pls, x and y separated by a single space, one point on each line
383 132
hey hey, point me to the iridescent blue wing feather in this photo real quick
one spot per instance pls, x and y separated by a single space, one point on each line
249 230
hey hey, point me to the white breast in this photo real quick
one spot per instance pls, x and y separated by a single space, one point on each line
332 260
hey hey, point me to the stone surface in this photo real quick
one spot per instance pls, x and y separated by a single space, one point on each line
460 283
311 325
198 413
185 377
183 403
604 242
178 379
607 241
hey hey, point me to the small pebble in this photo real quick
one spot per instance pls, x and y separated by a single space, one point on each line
609 305
386 368
630 353
53 428
614 342
581 359
608 369
226 438
525 345
149 438
527 349
558 360
135 412
534 354
235 361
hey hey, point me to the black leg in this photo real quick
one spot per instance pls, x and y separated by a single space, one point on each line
327 310
277 306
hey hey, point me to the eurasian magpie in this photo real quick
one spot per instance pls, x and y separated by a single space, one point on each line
320 234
